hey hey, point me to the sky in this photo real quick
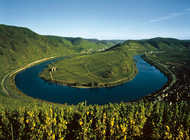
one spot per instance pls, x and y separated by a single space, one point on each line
100 19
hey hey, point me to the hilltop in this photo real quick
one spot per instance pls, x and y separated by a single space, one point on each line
83 45
154 44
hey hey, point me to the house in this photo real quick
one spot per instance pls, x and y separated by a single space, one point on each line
53 69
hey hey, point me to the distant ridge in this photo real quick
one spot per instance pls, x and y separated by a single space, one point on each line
153 44
20 46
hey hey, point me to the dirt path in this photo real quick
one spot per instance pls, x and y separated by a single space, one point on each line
86 66
172 74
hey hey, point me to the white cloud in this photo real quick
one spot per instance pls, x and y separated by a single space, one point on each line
170 16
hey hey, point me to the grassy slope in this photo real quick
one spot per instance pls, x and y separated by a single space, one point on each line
81 44
154 44
94 67
175 58
20 46
23 120
109 66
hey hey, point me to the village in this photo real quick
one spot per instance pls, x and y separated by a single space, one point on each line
93 50
177 88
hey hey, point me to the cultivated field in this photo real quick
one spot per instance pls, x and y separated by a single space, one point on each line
91 70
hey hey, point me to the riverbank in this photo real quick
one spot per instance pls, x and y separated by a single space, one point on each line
177 89
162 92
95 85
105 69
159 95
18 92
100 85
8 82
11 90
31 84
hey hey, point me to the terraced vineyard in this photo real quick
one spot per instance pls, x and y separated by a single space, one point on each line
161 115
102 69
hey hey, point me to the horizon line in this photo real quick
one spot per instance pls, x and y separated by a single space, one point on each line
127 38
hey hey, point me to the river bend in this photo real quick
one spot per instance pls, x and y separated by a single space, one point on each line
147 80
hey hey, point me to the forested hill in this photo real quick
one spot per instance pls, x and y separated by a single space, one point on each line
81 44
19 46
154 44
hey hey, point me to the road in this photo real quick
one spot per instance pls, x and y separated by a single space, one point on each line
5 88
173 76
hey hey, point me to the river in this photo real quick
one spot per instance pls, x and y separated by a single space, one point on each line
147 80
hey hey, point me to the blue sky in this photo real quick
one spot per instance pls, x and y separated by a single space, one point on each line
101 19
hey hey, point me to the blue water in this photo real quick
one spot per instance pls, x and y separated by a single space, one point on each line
145 82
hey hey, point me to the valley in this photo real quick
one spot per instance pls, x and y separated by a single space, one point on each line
163 114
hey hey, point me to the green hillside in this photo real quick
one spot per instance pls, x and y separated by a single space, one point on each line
113 66
20 46
162 115
81 44
102 69
154 44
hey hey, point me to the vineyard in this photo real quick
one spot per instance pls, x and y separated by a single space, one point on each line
113 121
161 115
103 69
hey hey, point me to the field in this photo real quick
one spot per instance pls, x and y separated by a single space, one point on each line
173 58
92 70
20 46
163 114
